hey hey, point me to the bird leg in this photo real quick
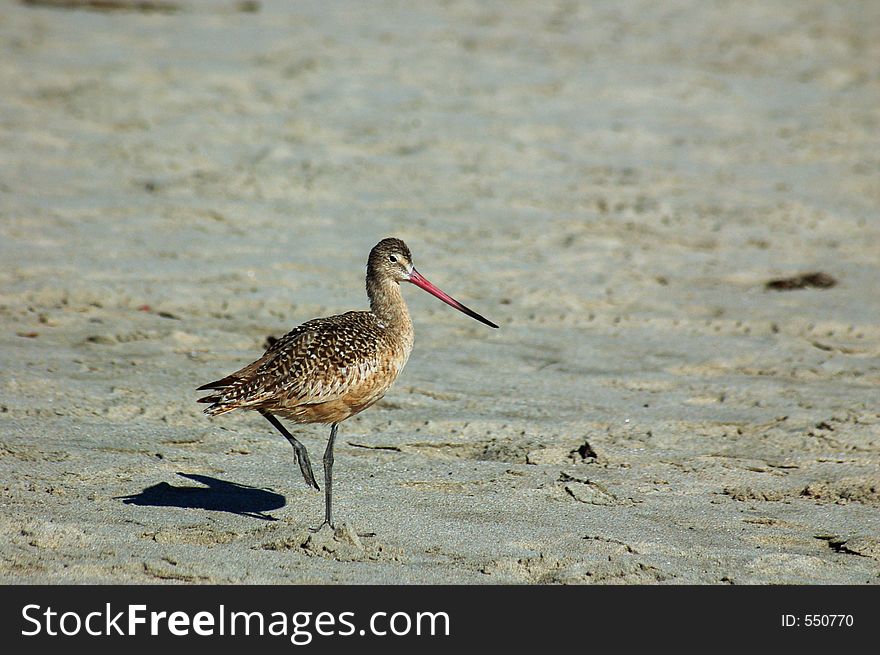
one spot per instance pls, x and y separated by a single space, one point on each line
328 480
302 455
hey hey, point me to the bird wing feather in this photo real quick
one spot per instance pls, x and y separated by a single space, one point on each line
316 362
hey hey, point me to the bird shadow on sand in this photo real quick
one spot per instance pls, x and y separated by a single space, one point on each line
217 496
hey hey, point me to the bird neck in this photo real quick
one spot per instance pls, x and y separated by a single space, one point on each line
387 303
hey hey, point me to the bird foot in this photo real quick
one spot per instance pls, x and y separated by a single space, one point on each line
321 527
305 468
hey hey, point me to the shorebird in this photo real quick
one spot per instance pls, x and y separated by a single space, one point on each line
329 369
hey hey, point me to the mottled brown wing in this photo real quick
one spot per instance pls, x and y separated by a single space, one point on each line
317 362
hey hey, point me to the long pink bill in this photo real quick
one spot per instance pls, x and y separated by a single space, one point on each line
417 279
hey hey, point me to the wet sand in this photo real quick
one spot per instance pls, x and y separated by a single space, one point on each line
612 183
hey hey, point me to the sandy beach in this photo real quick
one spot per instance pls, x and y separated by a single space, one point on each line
614 184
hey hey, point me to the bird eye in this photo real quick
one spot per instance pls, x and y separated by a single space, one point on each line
392 259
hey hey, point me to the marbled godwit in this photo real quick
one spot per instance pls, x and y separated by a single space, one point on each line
329 369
